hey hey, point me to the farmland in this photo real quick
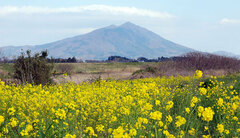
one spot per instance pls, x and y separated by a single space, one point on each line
79 72
151 107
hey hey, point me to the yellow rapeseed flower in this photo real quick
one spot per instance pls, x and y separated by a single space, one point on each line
29 128
13 122
234 118
226 131
90 131
132 132
24 133
169 119
207 114
60 113
220 102
200 111
118 133
70 136
100 128
1 119
187 110
160 123
205 128
220 128
234 106
199 73
206 136
156 115
169 105
180 121
181 134
167 134
194 101
11 111
203 91
157 102
191 131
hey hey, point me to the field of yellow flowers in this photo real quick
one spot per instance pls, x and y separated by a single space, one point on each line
160 107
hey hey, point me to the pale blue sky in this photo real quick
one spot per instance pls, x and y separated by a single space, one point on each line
206 25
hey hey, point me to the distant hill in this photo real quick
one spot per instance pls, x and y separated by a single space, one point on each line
128 40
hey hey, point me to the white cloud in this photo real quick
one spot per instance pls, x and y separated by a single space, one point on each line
115 10
230 21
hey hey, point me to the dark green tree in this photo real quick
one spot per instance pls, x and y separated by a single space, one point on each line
33 69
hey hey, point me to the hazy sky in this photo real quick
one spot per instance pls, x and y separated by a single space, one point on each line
206 25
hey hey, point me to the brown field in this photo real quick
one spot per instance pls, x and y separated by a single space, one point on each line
81 72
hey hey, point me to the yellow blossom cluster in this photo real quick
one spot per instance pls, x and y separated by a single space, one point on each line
180 121
199 73
203 91
1 119
207 114
156 115
152 107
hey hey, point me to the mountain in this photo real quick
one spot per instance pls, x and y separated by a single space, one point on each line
128 40
227 54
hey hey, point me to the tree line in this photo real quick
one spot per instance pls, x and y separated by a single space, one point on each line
109 59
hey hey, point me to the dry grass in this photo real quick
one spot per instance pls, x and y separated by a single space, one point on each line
101 67
92 71
86 77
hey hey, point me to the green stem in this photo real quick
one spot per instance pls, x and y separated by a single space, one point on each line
156 135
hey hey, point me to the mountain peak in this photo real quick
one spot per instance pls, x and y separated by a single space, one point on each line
128 24
111 26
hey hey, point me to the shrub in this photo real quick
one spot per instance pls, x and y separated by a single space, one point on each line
151 69
33 69
205 61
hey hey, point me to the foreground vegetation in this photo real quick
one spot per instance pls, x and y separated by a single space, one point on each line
160 107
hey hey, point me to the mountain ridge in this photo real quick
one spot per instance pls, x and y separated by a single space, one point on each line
128 40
